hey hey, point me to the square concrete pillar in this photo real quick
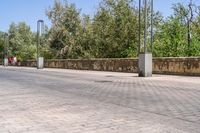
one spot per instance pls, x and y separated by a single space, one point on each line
145 65
40 63
5 61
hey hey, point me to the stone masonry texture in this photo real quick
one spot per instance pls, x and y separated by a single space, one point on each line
175 66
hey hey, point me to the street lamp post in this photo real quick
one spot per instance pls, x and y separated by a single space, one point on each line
6 42
40 31
190 18
145 57
152 34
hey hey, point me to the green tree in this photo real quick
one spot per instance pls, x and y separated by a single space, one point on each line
179 34
21 41
170 41
115 29
172 38
65 30
86 38
195 50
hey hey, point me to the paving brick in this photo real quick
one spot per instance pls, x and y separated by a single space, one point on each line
68 101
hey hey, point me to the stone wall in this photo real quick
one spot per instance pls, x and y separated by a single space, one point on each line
30 63
115 65
177 66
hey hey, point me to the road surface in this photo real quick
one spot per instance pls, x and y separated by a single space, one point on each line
69 101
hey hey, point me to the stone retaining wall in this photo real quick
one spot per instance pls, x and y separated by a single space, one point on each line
177 66
115 65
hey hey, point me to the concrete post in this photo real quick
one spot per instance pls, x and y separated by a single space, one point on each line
5 62
40 31
145 58
40 63
145 65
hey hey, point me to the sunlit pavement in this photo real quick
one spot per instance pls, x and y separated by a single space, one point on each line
69 101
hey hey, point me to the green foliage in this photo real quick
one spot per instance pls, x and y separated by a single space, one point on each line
171 38
1 44
111 33
65 30
115 29
21 41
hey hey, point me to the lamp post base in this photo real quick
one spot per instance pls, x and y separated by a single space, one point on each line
5 62
40 63
145 65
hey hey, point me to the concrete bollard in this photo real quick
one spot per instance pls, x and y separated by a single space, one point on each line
145 65
5 62
40 63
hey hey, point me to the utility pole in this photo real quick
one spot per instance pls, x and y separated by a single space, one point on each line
145 57
152 36
145 26
139 45
190 17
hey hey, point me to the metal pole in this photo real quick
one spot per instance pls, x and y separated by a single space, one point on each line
145 59
139 47
189 27
6 46
40 28
6 41
152 26
38 40
145 26
5 37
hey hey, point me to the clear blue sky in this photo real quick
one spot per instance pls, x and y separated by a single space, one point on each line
32 10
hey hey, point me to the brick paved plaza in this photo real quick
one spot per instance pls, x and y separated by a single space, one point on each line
69 101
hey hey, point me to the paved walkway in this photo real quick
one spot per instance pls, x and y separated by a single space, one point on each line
68 101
